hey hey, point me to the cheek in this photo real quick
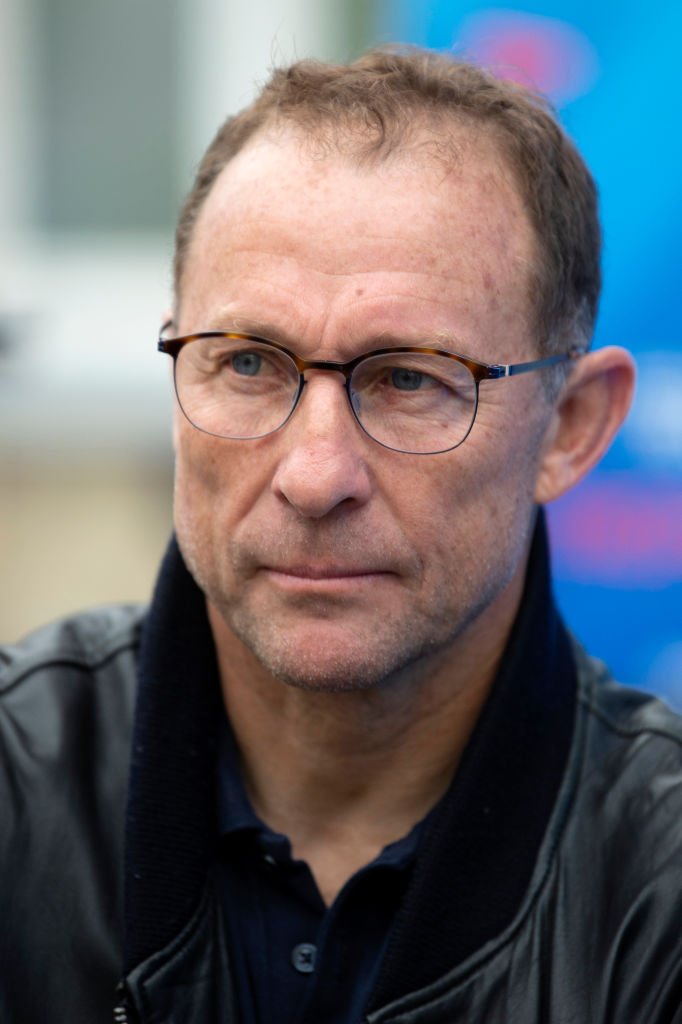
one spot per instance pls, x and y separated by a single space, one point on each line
201 486
216 483
478 505
197 467
202 510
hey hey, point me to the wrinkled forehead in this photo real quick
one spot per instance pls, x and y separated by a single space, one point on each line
425 207
432 153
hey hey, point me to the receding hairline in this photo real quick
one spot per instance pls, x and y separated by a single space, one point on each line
433 139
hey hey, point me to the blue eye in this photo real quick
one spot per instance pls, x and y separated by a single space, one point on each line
406 380
247 364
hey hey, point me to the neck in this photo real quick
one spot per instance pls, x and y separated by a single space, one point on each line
343 774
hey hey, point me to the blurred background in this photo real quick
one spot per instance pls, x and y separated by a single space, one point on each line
105 109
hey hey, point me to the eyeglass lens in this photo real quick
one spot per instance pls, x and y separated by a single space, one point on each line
411 402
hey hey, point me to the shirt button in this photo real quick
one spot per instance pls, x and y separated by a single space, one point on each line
303 957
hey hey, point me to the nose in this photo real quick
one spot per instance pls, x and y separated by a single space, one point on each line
323 463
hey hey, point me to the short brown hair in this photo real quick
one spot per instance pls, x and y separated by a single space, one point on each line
372 105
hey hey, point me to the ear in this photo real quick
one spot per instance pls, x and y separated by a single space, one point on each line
588 412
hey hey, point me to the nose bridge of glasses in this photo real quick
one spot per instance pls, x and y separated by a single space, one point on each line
327 365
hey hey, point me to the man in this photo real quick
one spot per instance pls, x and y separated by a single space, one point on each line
371 778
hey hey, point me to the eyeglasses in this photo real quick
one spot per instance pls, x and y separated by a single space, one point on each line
420 401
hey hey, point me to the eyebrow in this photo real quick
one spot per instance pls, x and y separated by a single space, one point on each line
246 325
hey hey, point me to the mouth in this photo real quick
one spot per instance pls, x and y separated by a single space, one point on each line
325 578
326 572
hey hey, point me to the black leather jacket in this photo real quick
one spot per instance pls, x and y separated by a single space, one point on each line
595 937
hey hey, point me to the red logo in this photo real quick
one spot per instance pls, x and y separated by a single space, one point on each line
540 52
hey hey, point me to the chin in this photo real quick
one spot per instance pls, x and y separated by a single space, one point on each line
327 667
336 662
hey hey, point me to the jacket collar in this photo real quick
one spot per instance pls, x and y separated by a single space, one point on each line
171 799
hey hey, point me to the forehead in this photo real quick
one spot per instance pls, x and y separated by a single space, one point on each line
438 234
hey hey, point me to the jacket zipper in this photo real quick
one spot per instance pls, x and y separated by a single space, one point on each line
123 1011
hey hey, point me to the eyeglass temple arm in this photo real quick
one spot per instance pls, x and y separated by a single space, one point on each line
514 369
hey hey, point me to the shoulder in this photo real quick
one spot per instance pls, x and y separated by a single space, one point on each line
76 674
84 641
626 808
612 884
626 726
67 695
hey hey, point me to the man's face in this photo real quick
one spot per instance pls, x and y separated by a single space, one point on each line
337 562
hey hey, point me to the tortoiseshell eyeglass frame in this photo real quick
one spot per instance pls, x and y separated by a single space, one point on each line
478 370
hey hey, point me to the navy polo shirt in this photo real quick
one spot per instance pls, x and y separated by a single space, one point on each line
294 960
